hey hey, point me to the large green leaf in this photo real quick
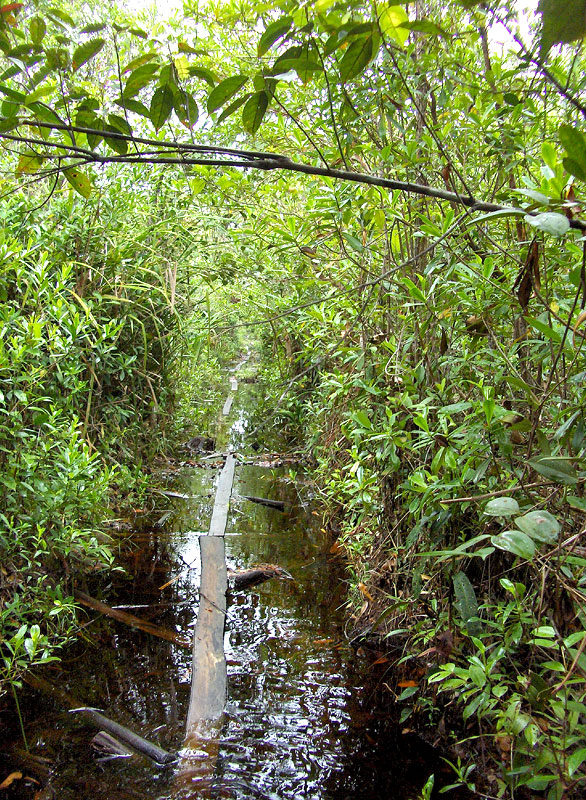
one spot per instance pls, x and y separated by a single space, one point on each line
86 51
304 66
205 74
558 469
275 31
117 124
540 526
234 106
358 56
563 21
161 106
466 601
574 143
549 222
545 329
224 91
79 181
133 105
391 21
37 29
254 111
502 507
140 78
515 542
139 61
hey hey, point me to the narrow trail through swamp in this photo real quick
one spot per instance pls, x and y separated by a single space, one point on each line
305 715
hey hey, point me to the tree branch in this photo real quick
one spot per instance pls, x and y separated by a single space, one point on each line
247 159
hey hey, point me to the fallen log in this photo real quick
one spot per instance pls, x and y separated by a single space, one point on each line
264 501
247 578
98 720
130 619
109 746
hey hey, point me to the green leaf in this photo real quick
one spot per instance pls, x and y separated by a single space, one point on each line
119 124
558 469
574 143
304 66
86 51
563 21
119 146
133 105
538 197
140 78
540 526
61 15
224 91
185 108
424 26
363 419
502 507
234 106
28 163
357 57
549 154
515 542
205 74
466 601
577 502
413 290
37 29
161 106
574 168
79 181
254 111
275 31
549 222
576 760
95 27
391 23
354 243
495 215
545 329
139 61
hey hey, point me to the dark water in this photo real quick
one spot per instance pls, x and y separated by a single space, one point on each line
304 717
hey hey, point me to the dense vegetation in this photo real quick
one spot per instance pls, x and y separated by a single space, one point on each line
394 199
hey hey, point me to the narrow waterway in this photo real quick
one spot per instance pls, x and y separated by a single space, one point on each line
304 717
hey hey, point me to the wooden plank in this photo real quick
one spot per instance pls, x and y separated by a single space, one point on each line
228 405
208 681
222 502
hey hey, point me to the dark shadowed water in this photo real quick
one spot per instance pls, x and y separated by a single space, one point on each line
304 717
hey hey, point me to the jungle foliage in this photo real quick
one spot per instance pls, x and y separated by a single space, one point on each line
394 193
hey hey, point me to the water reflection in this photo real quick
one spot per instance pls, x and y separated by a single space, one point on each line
301 720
